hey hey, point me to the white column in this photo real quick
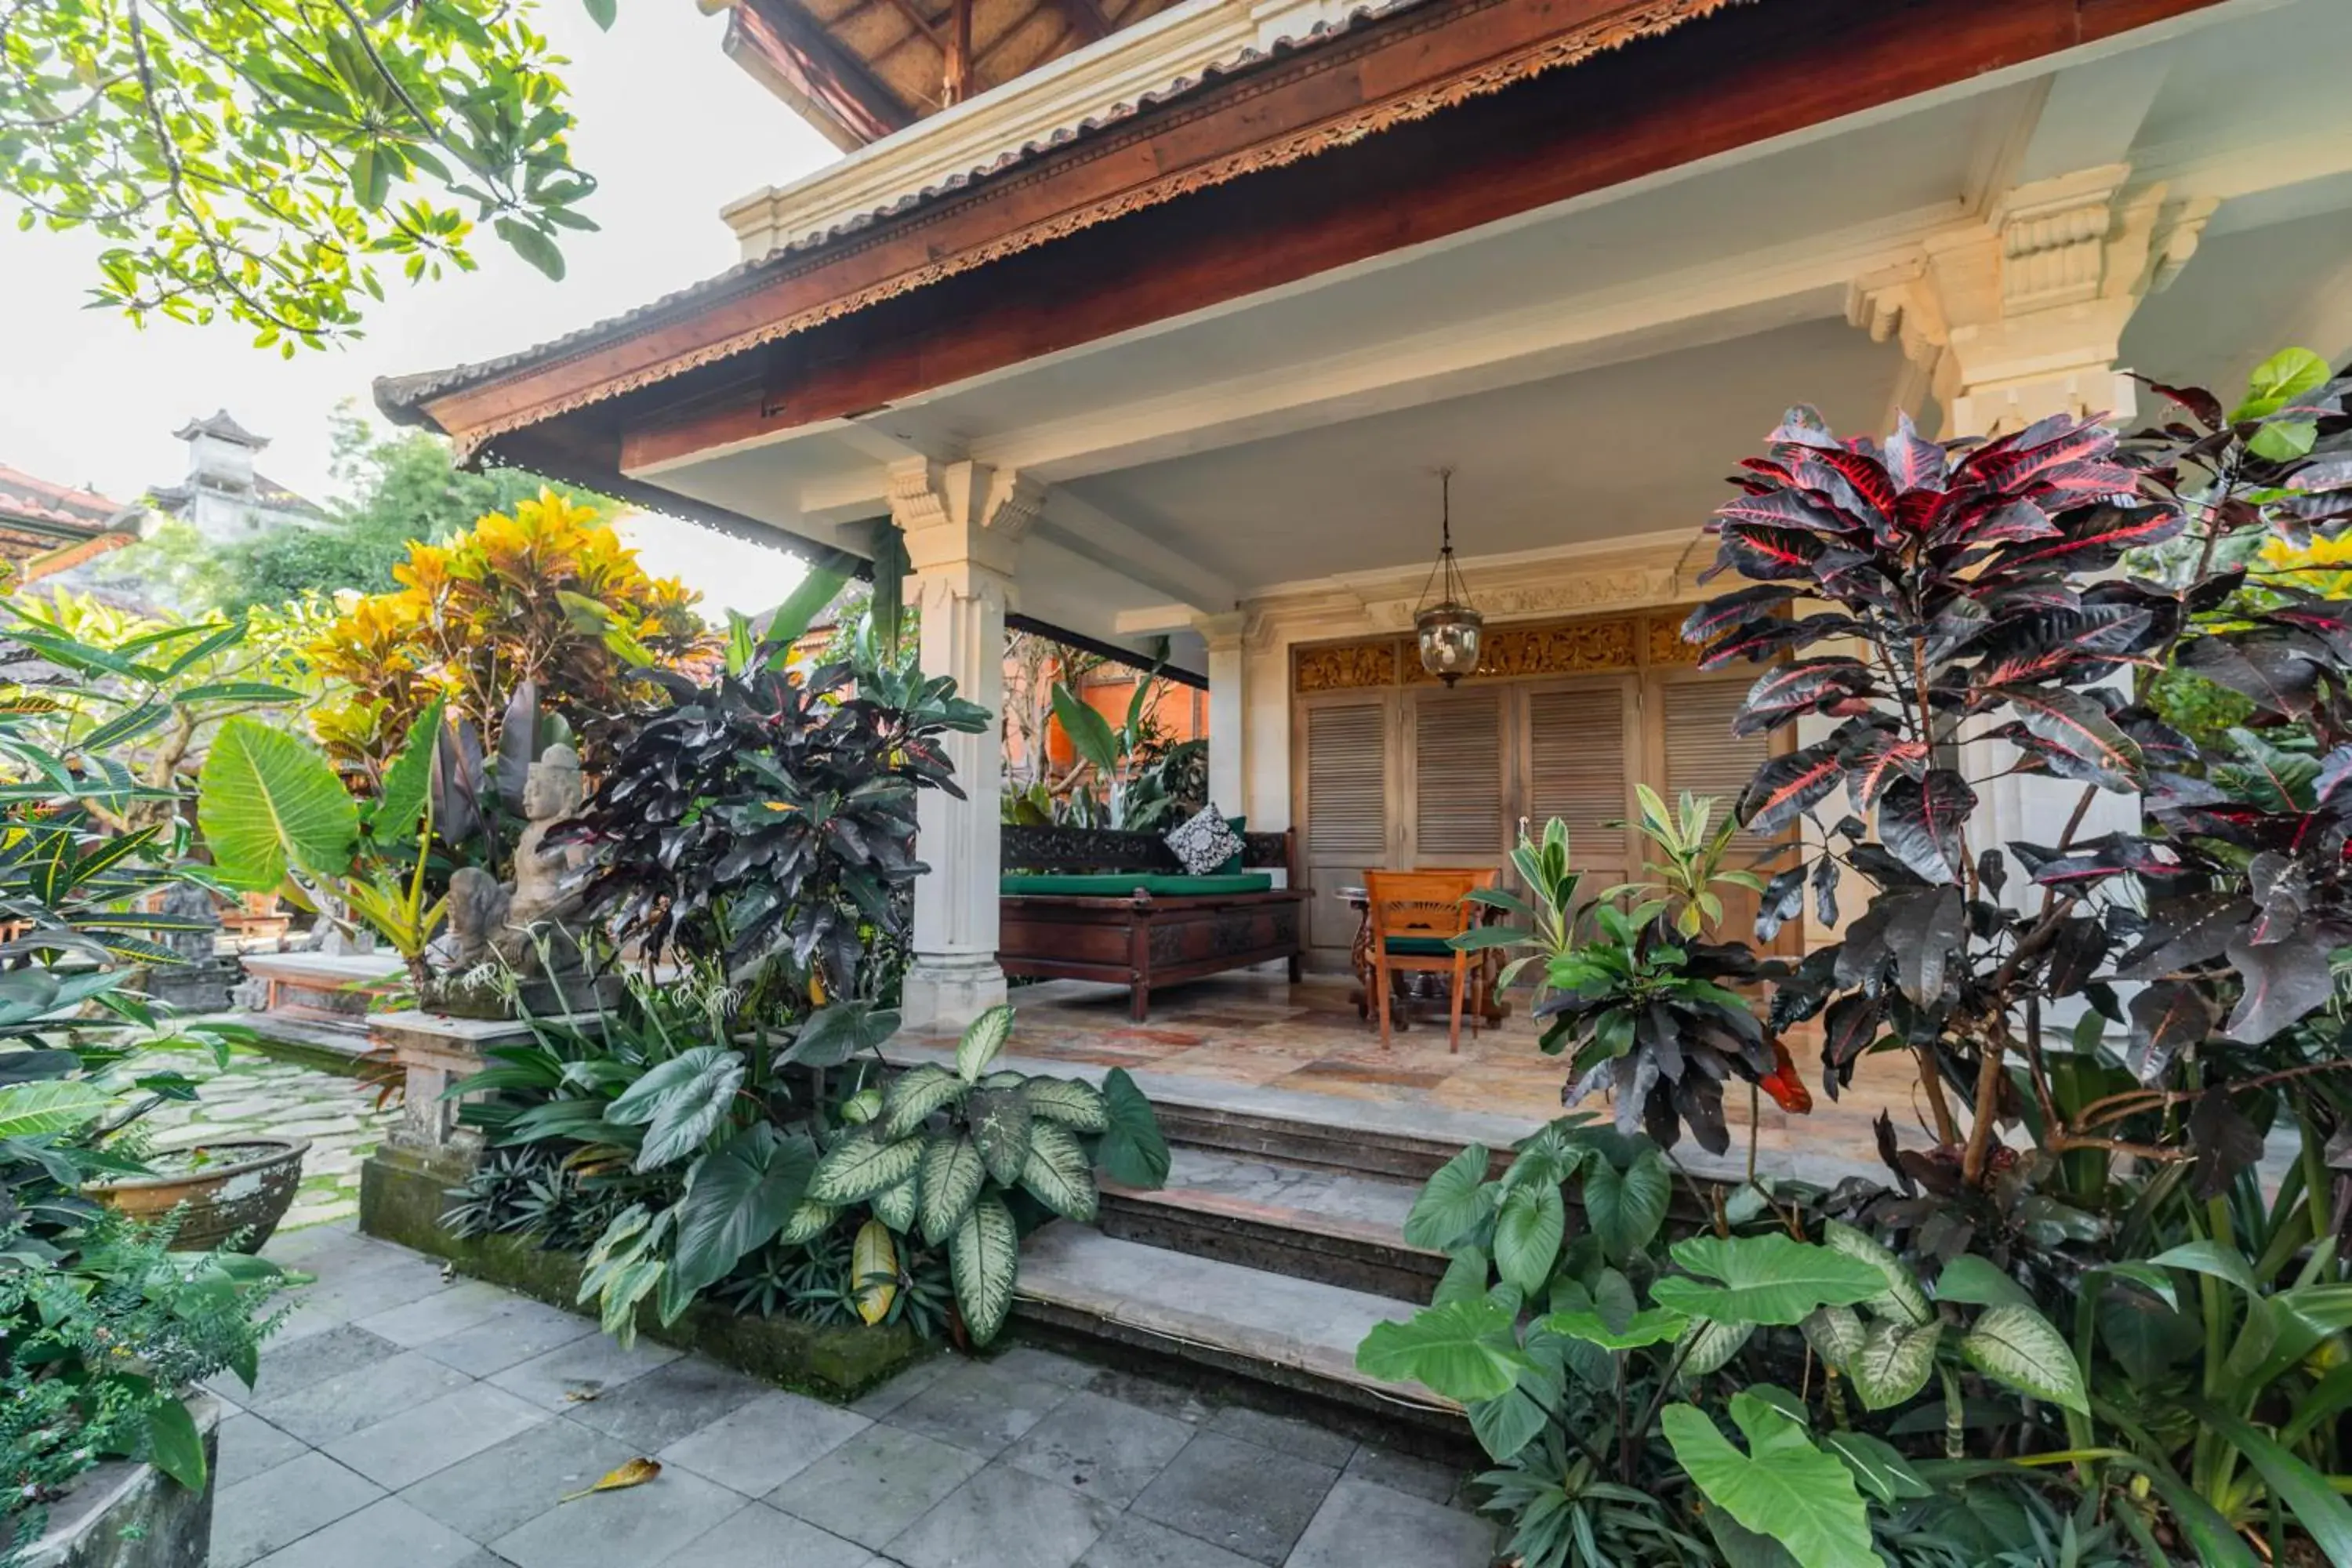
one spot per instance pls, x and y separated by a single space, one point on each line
963 524
1228 712
2014 321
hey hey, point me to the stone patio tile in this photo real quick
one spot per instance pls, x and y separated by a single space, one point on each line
337 1249
250 1446
509 1484
879 1402
1040 1365
1134 1542
334 1302
279 1506
1004 1517
416 1443
1251 1500
386 1534
1361 1523
874 1486
677 1401
1424 1478
1173 1400
622 1529
439 1315
286 1366
1285 1434
517 1332
1100 1447
763 1537
766 1443
595 1364
338 1406
976 1406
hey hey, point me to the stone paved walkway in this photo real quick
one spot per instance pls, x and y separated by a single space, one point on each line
258 1094
405 1420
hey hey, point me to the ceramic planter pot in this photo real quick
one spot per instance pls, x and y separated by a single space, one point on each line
245 1181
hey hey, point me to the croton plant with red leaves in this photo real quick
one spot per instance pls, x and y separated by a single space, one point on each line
1915 597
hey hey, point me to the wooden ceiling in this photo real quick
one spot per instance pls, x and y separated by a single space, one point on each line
859 69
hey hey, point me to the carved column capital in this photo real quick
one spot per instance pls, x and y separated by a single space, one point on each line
2022 315
962 513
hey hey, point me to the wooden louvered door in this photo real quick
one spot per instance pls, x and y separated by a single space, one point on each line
1582 738
1344 758
1693 749
1456 810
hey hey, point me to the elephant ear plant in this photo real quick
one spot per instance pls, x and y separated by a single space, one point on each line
1598 1361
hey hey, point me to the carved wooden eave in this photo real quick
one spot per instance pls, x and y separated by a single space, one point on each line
895 303
1260 114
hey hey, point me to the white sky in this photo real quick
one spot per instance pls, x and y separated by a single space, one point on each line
672 128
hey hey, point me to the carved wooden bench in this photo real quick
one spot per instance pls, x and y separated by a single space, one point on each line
1096 904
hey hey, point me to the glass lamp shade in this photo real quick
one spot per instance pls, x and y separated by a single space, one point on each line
1453 639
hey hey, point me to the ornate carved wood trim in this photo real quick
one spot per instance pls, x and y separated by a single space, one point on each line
1025 848
1590 643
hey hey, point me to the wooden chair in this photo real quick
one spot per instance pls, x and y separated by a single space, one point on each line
1415 915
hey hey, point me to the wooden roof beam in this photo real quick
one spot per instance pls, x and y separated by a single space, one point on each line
793 56
1086 21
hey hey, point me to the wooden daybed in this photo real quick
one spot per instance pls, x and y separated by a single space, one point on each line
1089 904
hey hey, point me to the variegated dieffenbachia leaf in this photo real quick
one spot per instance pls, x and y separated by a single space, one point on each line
915 1096
1076 1106
951 1178
1057 1173
2016 1345
858 1167
1894 1362
984 1256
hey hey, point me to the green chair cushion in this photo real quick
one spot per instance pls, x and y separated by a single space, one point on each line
1419 946
1125 884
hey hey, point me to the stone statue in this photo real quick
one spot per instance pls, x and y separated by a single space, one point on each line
526 927
200 981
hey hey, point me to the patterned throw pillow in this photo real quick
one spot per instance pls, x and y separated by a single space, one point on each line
1203 842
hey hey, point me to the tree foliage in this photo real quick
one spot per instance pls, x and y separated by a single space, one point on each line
546 594
260 159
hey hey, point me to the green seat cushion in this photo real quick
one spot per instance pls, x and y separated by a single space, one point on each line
1076 884
1125 884
1215 882
1419 946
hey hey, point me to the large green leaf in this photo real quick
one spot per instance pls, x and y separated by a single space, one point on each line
984 1256
267 801
29 1109
1131 1150
1627 1208
1968 1278
173 1445
1782 1487
983 1037
951 1178
738 1197
1902 1299
1057 1173
895 1207
1768 1279
1894 1362
1506 1425
2324 1516
1454 1204
1529 1225
679 1103
802 607
1466 1350
860 1166
839 1032
1000 1123
407 783
1089 732
2016 1345
1650 1326
1883 1471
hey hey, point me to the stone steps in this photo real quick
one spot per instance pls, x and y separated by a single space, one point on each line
1295 1338
1305 1222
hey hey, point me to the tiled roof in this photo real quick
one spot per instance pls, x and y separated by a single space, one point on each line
221 425
62 511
